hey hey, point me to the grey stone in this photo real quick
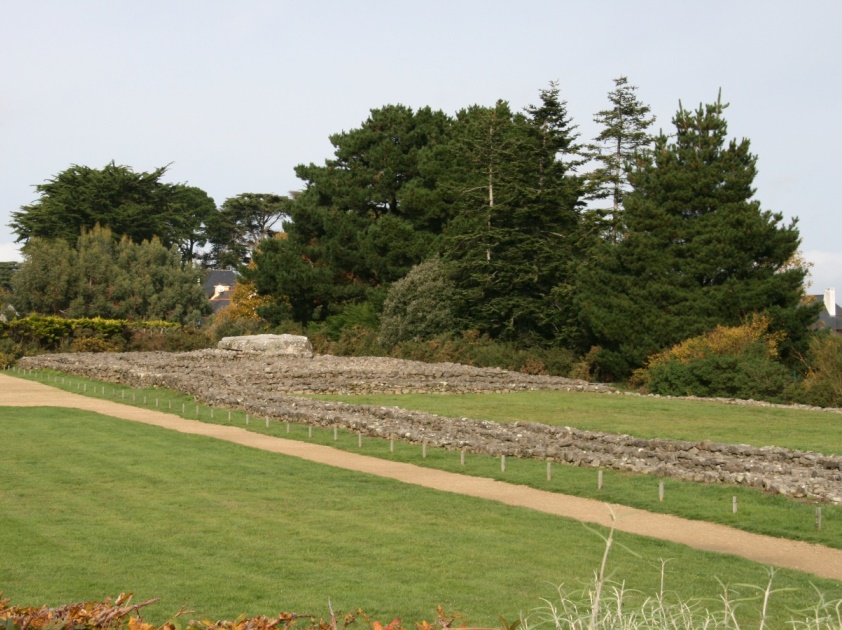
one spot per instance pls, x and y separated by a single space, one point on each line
293 345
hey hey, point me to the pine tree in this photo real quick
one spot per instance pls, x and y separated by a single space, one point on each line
622 137
513 242
698 250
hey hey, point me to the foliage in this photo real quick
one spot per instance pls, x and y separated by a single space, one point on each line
240 224
822 384
513 240
419 306
729 361
135 205
698 251
364 219
119 614
103 278
7 270
623 135
473 348
38 333
240 317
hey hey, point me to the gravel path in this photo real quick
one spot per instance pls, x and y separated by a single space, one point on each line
821 561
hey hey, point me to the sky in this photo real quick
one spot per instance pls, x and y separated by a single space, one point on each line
233 95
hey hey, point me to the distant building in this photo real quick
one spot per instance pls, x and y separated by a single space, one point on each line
829 317
219 286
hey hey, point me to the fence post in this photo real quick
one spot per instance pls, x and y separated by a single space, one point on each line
549 470
818 518
502 463
599 480
462 456
734 504
661 490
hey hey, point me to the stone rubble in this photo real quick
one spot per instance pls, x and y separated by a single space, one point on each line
266 386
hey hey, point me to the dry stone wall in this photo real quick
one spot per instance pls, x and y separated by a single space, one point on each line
264 386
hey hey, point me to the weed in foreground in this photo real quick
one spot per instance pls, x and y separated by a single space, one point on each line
606 604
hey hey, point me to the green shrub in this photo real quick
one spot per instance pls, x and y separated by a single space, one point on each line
472 348
418 307
822 383
750 375
729 361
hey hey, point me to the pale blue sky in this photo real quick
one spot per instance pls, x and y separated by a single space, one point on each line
235 94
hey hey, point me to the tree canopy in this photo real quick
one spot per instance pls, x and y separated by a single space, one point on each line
103 277
136 205
698 250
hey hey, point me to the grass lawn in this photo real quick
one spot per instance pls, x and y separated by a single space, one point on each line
758 512
92 506
640 416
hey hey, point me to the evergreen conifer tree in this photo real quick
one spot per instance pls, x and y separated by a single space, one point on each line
698 250
513 242
623 135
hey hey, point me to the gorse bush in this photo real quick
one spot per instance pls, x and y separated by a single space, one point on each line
734 361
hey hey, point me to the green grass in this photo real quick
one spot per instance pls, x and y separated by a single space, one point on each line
92 506
758 512
641 416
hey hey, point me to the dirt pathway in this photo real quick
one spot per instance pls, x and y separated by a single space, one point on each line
818 560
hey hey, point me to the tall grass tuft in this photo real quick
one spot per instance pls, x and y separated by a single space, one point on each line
605 604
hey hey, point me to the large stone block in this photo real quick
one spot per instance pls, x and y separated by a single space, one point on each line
293 345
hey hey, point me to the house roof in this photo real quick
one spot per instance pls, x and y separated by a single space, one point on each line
826 319
219 285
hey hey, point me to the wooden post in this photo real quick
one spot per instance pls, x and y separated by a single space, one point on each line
335 434
229 415
502 463
734 505
183 407
247 418
549 470
144 400
360 440
211 413
424 449
462 456
391 445
599 480
287 427
156 403
134 397
169 404
197 411
309 431
661 490
818 518
267 422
